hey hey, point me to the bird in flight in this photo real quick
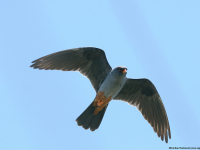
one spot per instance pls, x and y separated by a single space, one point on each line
109 84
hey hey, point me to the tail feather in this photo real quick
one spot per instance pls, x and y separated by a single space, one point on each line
88 120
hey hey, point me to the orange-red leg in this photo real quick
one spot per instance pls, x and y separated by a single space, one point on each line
99 103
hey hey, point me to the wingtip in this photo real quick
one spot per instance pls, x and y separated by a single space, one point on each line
169 132
32 66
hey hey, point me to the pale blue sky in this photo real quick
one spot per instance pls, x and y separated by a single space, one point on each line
158 40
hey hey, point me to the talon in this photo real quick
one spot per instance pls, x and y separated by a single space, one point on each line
99 103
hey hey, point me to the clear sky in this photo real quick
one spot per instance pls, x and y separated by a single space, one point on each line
158 40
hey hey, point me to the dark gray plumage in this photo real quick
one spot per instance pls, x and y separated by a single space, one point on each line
109 84
143 94
89 61
88 120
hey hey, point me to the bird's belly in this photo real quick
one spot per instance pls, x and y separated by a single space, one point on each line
100 101
112 91
105 94
111 88
107 91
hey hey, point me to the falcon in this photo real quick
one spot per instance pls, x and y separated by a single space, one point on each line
109 84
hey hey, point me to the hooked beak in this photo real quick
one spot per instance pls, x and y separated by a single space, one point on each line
124 71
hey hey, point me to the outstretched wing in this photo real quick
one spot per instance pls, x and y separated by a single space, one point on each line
89 61
143 94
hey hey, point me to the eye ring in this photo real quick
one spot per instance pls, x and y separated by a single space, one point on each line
120 69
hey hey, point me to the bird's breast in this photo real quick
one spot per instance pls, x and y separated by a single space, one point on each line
112 86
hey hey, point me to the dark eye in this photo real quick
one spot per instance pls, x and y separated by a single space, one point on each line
120 69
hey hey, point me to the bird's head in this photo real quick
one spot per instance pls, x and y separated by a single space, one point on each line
120 70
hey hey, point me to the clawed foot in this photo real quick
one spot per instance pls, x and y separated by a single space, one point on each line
99 103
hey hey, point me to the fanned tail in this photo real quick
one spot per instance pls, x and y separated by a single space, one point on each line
88 120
